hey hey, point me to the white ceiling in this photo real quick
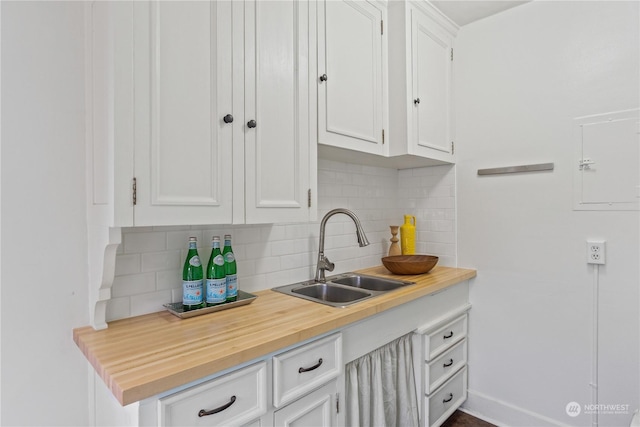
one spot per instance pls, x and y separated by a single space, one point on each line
463 12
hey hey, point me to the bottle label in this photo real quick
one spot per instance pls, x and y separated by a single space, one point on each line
195 261
192 292
218 260
229 257
232 285
216 291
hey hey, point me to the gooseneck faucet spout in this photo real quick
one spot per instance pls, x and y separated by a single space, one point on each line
323 262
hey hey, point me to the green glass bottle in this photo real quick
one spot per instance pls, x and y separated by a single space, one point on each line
230 269
216 281
192 284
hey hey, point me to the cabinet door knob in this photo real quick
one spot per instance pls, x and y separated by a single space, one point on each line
323 78
251 124
228 118
416 101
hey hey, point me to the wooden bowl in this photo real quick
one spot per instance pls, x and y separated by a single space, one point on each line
410 264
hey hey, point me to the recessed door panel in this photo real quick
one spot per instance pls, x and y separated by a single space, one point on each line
276 99
183 90
431 83
350 56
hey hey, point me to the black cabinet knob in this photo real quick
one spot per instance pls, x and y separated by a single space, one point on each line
323 78
228 118
251 124
416 101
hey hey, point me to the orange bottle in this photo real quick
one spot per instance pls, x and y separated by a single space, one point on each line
408 235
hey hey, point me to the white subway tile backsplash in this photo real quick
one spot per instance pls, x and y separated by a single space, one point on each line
273 233
150 302
118 308
267 265
255 250
168 279
138 241
180 239
149 262
127 264
158 261
133 284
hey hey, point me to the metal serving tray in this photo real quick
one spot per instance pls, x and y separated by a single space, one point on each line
175 308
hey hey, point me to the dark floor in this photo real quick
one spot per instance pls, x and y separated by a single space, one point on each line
461 419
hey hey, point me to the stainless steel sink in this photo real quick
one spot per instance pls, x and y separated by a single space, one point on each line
343 289
371 283
327 292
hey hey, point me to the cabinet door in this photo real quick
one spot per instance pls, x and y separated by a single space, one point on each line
277 98
316 409
183 74
351 100
432 58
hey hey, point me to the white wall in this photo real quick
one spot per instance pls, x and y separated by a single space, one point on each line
521 78
149 261
44 273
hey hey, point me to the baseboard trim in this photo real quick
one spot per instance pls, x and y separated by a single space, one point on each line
501 413
479 416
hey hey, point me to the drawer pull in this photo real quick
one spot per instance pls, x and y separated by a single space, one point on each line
204 413
448 336
316 366
449 399
446 365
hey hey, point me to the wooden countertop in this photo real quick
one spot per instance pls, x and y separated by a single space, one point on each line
142 356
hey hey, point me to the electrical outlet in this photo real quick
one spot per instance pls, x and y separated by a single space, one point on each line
595 251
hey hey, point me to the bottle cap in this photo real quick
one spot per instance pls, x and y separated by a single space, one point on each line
216 238
227 237
193 239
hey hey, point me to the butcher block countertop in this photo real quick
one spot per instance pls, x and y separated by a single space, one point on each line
142 356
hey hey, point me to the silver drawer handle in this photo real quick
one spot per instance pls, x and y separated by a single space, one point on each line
204 413
448 336
446 365
316 366
449 399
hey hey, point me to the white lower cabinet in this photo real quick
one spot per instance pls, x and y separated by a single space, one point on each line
444 401
298 371
440 369
295 387
304 385
315 409
233 399
443 356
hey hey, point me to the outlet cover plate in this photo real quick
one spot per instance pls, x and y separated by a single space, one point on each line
596 252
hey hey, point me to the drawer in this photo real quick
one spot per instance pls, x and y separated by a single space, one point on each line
239 397
444 337
441 404
442 367
298 371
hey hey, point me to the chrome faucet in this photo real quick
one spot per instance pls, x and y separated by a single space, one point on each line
323 262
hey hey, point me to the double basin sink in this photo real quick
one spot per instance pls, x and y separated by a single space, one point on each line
343 289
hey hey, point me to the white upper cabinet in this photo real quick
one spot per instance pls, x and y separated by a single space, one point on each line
202 112
421 59
182 92
277 126
352 101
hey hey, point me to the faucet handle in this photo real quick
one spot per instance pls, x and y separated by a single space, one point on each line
325 264
329 265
